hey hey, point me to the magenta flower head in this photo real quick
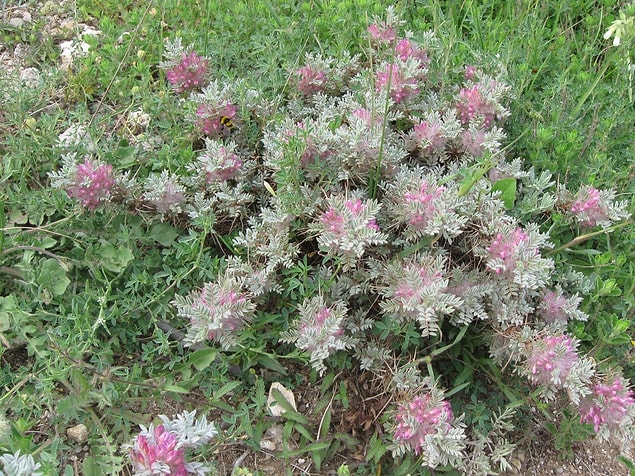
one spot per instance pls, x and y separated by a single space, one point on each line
429 136
592 207
381 33
156 452
401 86
472 104
216 120
216 312
551 359
188 74
424 415
311 80
608 405
91 184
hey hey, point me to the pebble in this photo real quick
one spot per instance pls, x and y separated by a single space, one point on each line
78 433
16 22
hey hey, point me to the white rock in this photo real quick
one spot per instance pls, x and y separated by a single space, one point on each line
78 433
274 408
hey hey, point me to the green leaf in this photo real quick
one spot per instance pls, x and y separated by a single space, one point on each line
201 359
376 449
114 259
507 187
267 361
164 234
52 277
91 467
225 389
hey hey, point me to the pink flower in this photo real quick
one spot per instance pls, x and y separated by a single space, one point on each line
429 136
470 72
92 184
189 74
420 418
401 87
311 80
381 33
424 208
333 221
474 142
471 103
406 49
157 453
607 404
552 307
371 120
504 251
588 207
551 359
213 121
221 167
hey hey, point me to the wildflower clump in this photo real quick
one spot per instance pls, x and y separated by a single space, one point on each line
185 70
163 449
592 207
319 330
610 408
426 426
90 182
216 312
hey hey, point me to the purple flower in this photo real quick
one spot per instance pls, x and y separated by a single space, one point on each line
607 404
421 417
589 208
221 167
190 73
91 184
157 453
551 359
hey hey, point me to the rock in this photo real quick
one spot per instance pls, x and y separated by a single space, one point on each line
274 408
16 22
78 433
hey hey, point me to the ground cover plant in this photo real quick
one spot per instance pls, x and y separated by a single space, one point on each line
205 204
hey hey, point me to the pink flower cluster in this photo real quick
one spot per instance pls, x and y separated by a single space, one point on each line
91 184
406 49
471 103
551 359
552 307
324 337
413 295
401 86
420 418
607 404
382 33
223 166
474 142
588 207
157 453
429 136
424 208
214 121
219 302
311 80
504 251
190 73
334 220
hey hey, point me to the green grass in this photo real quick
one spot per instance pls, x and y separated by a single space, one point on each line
82 293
